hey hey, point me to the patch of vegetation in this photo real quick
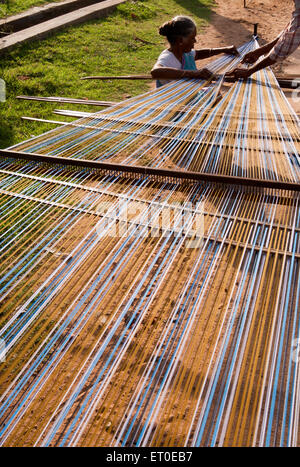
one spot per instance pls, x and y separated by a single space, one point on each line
136 10
126 42
12 7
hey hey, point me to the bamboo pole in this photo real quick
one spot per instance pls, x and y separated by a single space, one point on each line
119 77
283 81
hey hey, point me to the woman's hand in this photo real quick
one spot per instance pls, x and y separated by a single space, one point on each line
203 73
251 57
232 50
237 73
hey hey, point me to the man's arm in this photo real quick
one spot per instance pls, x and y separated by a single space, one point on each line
254 55
244 73
285 44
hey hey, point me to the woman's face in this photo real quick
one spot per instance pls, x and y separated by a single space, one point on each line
189 41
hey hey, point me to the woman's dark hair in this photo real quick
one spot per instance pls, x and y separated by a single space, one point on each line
180 26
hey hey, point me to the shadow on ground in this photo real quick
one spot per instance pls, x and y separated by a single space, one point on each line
6 132
197 9
232 31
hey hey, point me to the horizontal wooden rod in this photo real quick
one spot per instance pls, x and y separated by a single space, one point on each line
119 77
152 171
284 82
290 76
103 77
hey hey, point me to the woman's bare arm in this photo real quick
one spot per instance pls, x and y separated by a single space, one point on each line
174 73
206 53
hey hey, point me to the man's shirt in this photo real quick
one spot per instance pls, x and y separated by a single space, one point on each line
289 38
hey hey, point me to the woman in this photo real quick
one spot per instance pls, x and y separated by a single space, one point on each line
179 60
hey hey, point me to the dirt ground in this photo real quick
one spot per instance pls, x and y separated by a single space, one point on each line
121 275
233 24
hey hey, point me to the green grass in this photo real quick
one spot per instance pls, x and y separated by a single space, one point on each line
54 66
12 7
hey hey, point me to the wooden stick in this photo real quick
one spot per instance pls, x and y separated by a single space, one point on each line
119 77
152 171
289 76
284 82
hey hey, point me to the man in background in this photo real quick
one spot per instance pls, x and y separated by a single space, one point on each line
279 49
